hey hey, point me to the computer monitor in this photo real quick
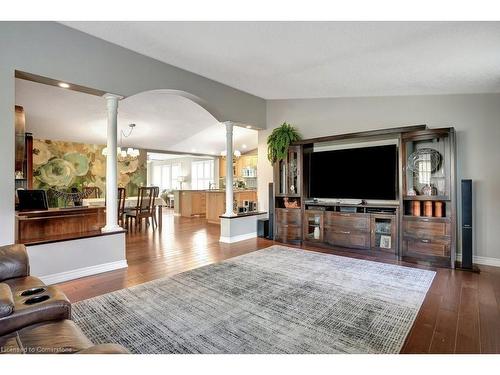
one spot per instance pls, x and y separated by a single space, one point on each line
32 200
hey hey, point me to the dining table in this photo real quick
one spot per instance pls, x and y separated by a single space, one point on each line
130 202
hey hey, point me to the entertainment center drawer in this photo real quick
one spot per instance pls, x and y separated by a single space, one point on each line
353 221
289 216
426 227
346 238
412 246
288 232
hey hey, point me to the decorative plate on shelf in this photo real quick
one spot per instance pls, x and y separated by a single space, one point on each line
428 156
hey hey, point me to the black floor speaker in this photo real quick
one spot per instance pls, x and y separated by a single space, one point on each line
271 211
467 226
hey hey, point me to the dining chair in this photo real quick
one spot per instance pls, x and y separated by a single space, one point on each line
156 194
91 192
144 208
122 195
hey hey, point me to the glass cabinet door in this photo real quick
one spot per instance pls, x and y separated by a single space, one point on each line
428 167
282 177
313 225
383 233
293 172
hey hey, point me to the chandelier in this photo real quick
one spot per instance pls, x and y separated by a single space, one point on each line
236 153
130 153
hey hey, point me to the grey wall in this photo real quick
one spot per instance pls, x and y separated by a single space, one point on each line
475 117
56 51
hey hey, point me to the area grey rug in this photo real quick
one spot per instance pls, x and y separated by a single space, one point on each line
276 300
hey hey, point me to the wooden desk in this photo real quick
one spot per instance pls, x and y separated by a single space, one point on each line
67 223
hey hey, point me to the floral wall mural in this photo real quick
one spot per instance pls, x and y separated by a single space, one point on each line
64 165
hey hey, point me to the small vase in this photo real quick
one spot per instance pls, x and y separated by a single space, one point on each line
416 208
316 233
428 208
438 209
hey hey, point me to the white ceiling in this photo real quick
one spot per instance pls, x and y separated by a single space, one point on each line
280 60
164 121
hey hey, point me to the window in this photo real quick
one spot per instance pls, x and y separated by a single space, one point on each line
157 175
166 176
202 174
176 172
166 181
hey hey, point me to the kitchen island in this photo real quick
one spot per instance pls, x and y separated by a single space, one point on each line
208 203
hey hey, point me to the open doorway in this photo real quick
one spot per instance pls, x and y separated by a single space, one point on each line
193 186
165 140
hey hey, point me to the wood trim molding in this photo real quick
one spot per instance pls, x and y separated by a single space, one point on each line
369 133
53 82
72 237
245 214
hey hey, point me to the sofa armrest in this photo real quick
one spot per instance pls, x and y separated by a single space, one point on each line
6 300
105 349
13 262
56 307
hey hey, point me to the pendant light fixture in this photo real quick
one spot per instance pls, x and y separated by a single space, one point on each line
130 153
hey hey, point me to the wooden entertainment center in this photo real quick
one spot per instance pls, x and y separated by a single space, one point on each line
419 226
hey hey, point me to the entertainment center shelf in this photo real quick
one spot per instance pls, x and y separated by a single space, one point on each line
426 198
365 226
419 225
346 207
427 219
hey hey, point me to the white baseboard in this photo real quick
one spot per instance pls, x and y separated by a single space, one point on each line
241 237
485 261
82 272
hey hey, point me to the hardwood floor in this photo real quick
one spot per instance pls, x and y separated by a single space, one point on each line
460 314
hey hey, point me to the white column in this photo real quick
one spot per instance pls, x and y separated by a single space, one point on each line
229 169
111 164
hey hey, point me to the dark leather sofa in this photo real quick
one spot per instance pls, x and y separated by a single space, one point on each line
34 317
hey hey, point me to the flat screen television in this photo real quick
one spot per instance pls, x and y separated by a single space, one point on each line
355 173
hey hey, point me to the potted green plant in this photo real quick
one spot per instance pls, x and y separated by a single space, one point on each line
279 140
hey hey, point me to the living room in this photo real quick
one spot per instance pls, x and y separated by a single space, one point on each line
371 227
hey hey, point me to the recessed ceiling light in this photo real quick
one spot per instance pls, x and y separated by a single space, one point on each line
193 150
243 146
64 85
248 127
